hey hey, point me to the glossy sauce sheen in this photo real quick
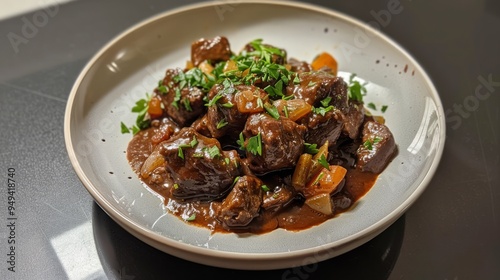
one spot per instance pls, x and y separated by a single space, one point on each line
297 216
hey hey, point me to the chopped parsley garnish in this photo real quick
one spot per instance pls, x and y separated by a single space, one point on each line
322 110
191 218
384 108
194 78
372 106
214 100
322 160
212 151
258 65
180 153
241 142
311 148
192 144
320 176
325 102
162 89
254 145
355 89
142 121
265 188
272 110
221 123
177 97
187 104
311 84
228 89
235 180
124 128
276 91
228 105
368 144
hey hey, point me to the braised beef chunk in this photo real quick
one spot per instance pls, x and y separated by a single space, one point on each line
282 143
314 87
215 50
278 198
352 118
224 116
377 149
201 126
182 105
198 167
242 204
299 66
321 128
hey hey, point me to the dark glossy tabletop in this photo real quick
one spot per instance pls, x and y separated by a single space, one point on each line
451 232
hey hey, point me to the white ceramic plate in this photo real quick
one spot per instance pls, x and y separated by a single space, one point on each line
131 65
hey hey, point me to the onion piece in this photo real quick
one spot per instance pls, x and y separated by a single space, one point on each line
321 203
154 161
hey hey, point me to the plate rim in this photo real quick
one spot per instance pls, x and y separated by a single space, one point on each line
238 259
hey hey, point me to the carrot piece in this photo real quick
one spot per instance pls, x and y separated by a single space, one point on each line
154 108
326 181
325 59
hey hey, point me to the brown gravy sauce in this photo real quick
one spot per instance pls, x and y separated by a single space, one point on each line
293 218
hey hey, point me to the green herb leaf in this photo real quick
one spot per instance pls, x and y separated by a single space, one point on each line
372 106
180 153
356 90
140 106
368 145
187 104
384 108
162 89
228 105
311 84
221 123
254 145
124 128
214 100
265 188
241 142
135 129
213 151
311 148
272 110
191 218
177 97
193 142
322 160
325 102
322 110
